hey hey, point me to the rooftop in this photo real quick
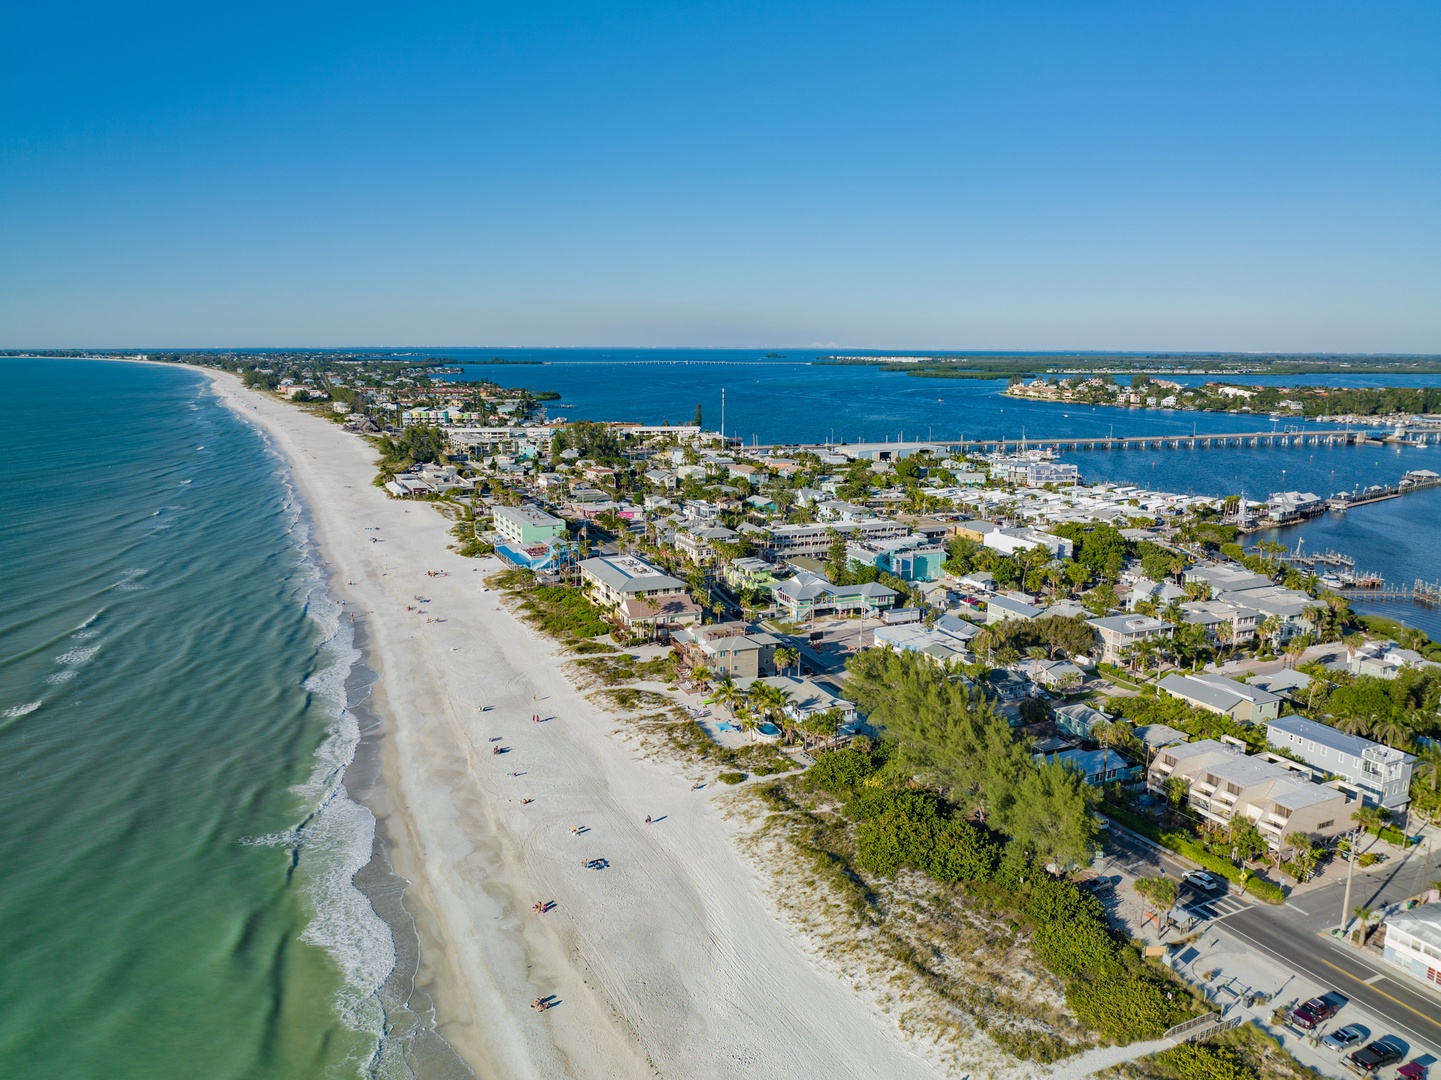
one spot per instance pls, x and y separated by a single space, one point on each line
1333 739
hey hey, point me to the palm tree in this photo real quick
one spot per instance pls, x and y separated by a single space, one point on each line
1393 731
1354 725
1269 629
786 658
727 693
1363 915
1428 766
1225 636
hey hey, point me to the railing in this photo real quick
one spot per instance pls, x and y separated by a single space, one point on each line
1202 1027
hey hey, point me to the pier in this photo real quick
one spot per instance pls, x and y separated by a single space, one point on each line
1417 480
1419 592
1194 441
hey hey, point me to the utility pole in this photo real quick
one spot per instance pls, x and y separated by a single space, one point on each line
1421 870
1350 869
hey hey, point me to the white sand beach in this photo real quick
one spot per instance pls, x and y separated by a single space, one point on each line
670 961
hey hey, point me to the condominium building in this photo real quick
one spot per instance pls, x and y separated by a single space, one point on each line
527 524
789 541
729 648
614 579
1223 783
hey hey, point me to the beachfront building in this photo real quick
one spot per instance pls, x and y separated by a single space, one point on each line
807 595
805 698
1120 632
1376 774
1413 943
522 525
729 648
1227 697
642 597
1223 783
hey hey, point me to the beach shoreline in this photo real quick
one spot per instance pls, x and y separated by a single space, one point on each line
668 961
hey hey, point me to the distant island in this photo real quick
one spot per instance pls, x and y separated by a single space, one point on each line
1146 392
1031 365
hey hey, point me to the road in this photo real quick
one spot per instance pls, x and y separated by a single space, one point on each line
1397 879
1293 934
1415 1015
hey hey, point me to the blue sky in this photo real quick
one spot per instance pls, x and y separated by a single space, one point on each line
959 175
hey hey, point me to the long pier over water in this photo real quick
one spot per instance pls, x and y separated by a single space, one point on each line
1179 442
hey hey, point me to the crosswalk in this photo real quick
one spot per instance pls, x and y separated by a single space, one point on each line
1219 907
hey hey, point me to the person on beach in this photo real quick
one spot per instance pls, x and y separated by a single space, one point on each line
647 819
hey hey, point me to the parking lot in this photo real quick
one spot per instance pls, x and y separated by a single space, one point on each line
1259 955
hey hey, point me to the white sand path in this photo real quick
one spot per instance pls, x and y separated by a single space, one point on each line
670 962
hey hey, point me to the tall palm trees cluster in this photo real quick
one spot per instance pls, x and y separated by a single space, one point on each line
763 703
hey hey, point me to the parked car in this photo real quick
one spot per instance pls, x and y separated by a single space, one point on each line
1374 1057
1200 880
1313 1012
1102 887
1343 1038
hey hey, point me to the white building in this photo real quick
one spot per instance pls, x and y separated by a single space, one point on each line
1413 942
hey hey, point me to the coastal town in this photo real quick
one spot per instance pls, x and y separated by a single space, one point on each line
1202 730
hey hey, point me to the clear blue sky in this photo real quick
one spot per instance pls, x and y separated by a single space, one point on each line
985 175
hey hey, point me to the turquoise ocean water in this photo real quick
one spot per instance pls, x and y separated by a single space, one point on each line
177 846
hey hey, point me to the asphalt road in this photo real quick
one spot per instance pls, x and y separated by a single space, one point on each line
1414 1015
1396 880
1293 935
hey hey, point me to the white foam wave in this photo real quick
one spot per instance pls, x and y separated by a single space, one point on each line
77 657
90 620
61 677
129 581
21 710
337 839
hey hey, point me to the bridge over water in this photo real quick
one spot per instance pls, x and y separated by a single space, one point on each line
1177 442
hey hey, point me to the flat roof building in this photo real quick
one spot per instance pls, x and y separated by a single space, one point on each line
527 524
1413 943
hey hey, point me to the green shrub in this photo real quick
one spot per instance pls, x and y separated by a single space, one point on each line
731 777
840 771
1198 1061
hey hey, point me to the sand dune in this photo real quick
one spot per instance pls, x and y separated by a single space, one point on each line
669 962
